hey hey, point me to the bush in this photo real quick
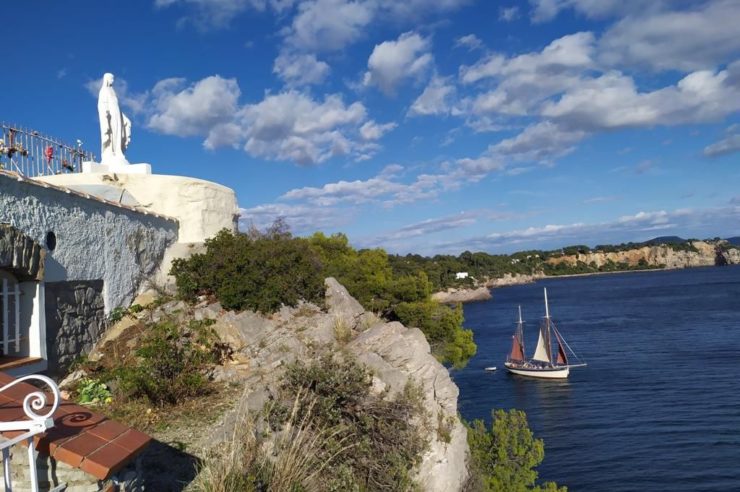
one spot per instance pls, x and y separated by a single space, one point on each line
262 271
504 456
442 326
387 442
172 363
252 271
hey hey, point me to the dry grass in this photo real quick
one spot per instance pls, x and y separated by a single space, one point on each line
342 332
291 459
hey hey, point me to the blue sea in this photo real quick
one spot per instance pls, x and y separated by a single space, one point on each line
658 406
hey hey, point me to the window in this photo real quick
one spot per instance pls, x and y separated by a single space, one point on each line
10 314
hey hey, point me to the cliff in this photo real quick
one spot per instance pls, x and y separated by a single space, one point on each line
264 346
659 256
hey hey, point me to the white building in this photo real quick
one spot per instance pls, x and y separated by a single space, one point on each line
74 246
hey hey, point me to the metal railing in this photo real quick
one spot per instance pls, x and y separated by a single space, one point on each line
36 423
32 154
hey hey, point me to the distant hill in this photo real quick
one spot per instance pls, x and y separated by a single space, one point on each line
734 240
665 240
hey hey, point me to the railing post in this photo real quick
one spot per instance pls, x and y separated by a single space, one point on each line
5 316
17 304
6 470
32 472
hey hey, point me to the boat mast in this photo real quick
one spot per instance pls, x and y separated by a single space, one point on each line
520 328
547 325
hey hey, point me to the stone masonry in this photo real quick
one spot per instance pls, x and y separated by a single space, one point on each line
75 320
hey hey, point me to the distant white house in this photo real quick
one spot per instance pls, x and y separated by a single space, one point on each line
461 275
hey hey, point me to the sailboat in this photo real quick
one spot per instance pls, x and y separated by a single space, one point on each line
544 363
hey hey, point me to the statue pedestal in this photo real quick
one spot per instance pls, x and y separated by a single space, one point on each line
95 168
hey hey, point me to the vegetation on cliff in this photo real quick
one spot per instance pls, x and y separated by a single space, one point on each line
441 270
504 456
328 431
262 271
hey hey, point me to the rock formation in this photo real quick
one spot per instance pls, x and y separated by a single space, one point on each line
660 256
453 296
263 346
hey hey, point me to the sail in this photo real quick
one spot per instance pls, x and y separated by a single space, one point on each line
562 358
517 351
542 353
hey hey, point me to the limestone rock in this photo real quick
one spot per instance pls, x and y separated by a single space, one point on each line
453 296
396 354
207 311
72 379
345 308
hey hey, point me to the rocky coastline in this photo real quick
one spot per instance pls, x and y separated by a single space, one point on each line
646 258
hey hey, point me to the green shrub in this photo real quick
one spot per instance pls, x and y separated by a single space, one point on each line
442 325
252 271
172 363
504 456
262 271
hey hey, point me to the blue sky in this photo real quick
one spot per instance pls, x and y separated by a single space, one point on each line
418 126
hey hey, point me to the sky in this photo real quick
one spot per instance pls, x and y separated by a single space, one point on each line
424 126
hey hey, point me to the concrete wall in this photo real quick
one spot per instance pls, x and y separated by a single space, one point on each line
94 240
201 207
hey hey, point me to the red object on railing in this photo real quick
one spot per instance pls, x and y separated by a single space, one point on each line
49 153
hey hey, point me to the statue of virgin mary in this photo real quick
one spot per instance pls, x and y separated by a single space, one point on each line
115 127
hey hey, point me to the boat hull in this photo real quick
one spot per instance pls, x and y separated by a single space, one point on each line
542 373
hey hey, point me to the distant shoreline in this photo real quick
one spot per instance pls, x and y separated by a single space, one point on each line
616 271
465 296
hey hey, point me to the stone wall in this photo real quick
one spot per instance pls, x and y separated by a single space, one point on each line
20 254
94 240
75 321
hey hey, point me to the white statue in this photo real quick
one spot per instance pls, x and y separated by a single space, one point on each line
115 127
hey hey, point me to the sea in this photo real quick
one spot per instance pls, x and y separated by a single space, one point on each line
658 406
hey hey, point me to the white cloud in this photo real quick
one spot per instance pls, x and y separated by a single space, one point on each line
383 189
422 228
196 109
375 131
301 219
727 145
508 14
393 61
435 100
300 69
219 13
328 25
546 10
469 41
640 226
613 101
475 169
331 25
541 141
573 51
699 37
356 192
524 81
292 126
